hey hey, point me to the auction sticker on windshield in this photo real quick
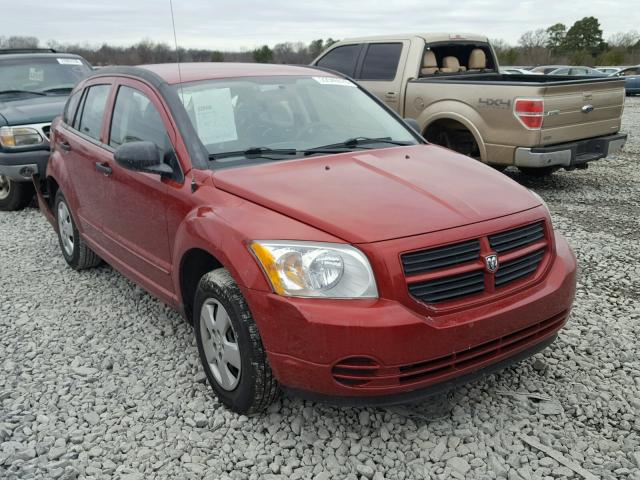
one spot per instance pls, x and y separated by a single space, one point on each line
343 82
69 61
214 115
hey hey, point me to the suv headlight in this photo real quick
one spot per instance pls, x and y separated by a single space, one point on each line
309 269
12 137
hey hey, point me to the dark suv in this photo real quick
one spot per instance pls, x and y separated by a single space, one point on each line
34 86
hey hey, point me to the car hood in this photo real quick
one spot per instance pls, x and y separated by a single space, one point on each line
369 196
30 109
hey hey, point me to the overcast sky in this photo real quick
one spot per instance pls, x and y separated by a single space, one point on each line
232 25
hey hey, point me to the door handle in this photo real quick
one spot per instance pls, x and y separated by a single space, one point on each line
104 167
64 145
390 95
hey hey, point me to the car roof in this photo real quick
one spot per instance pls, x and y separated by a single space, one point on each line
427 37
197 71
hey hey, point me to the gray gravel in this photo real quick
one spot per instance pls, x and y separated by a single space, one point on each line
99 380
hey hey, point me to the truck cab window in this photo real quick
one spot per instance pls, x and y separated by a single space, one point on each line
381 61
341 59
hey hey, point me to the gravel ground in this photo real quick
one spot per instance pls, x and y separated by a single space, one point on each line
98 379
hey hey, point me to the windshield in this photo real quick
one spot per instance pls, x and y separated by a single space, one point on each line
50 75
287 112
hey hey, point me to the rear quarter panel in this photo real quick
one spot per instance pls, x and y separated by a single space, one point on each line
486 110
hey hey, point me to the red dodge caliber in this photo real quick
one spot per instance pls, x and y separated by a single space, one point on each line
317 243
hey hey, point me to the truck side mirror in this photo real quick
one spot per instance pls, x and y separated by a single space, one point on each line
141 157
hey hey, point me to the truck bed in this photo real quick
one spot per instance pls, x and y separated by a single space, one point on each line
574 107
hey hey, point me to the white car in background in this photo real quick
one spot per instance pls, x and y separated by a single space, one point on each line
609 70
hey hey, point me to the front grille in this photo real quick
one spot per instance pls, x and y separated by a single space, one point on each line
456 271
517 238
363 372
448 288
440 257
518 268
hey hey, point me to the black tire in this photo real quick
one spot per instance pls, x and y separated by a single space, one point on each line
538 172
256 387
80 256
14 195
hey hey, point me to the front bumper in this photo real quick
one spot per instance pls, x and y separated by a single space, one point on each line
21 166
570 155
310 342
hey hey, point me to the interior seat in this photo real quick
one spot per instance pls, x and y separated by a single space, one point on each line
429 63
477 60
451 65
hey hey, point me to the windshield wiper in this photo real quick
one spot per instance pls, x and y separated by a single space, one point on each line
58 90
254 152
23 91
358 142
263 152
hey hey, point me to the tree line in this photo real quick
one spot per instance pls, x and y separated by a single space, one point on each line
580 44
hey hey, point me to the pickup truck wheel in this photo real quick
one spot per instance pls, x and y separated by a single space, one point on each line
230 347
14 195
76 253
538 172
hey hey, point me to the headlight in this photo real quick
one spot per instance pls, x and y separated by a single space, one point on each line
11 137
307 269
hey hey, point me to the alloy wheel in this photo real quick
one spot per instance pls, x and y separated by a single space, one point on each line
65 227
220 344
5 187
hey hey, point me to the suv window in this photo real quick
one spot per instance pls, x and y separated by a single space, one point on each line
136 119
341 59
92 115
630 72
70 107
381 61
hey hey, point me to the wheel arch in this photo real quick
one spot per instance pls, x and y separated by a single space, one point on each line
446 111
204 242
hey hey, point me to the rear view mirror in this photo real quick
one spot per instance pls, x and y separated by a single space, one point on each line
141 157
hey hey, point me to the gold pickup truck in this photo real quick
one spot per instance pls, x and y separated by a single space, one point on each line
452 87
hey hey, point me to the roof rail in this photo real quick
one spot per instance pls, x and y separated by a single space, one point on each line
5 51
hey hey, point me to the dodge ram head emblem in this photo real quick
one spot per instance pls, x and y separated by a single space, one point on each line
491 263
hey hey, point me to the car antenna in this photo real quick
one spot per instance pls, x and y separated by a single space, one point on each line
194 185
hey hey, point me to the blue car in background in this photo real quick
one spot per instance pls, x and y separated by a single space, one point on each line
632 79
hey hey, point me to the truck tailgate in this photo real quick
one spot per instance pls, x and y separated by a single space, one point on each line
582 110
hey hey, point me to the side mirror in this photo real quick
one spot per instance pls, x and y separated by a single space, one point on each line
141 157
413 123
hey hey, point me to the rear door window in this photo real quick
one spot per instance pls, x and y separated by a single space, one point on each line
381 61
92 115
342 59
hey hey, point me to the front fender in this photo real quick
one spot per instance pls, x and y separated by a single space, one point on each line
458 111
225 229
203 229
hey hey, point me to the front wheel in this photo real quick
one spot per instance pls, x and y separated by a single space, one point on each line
14 195
76 253
230 347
